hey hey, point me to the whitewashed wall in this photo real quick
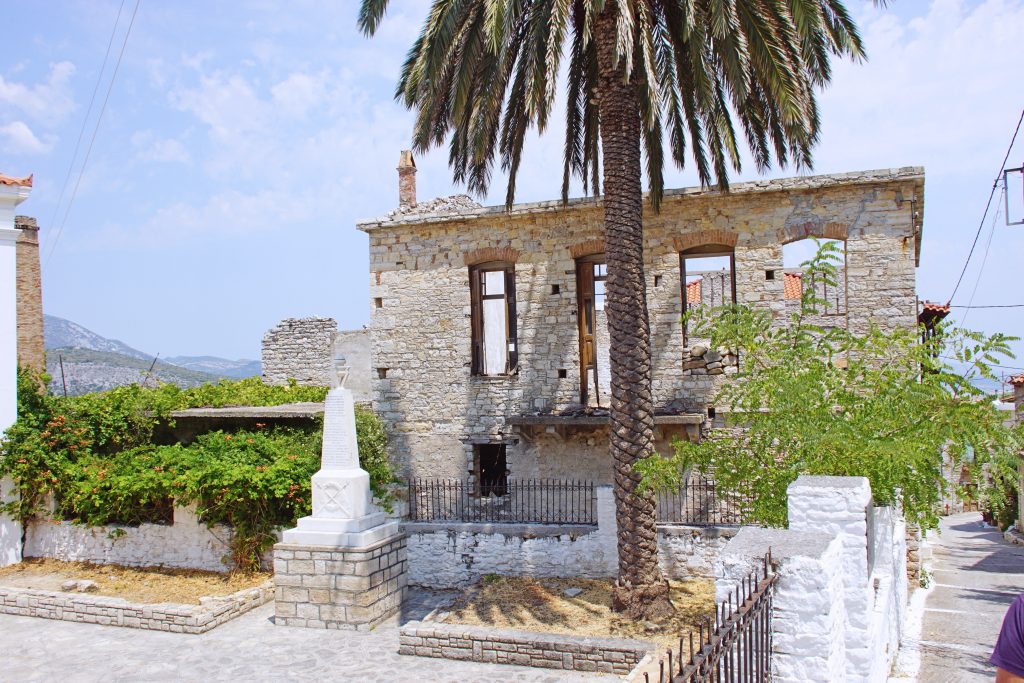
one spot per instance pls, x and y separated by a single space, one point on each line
454 555
838 610
186 544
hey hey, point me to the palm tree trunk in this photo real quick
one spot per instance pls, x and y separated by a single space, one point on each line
641 590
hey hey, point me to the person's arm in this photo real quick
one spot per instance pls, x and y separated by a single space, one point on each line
1004 676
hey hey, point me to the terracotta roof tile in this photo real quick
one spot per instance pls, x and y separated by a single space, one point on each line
693 293
792 285
933 307
10 180
1016 379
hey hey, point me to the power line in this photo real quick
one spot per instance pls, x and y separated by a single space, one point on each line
990 306
984 259
85 121
95 130
988 205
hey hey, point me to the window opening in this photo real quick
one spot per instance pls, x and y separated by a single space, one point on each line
491 469
707 278
492 293
591 296
832 297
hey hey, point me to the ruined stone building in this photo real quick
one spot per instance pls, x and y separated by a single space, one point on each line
307 350
488 339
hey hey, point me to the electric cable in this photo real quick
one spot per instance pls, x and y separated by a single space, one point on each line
81 131
95 130
988 205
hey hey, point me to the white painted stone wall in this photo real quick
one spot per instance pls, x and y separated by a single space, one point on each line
186 544
839 610
453 555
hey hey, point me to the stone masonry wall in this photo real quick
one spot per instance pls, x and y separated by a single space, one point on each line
419 282
339 588
524 648
31 352
107 611
301 349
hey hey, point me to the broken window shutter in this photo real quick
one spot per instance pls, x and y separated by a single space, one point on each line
476 321
510 301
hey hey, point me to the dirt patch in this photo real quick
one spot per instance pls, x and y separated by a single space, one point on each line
543 605
135 584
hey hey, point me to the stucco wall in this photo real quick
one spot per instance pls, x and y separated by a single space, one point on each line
187 543
419 282
842 591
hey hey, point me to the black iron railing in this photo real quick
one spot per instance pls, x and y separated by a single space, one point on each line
526 501
702 502
733 646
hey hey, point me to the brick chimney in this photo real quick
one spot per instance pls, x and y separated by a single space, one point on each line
406 180
31 351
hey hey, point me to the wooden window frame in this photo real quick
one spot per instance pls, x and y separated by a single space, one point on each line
586 304
476 289
704 251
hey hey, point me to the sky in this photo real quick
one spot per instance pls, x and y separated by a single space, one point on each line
242 141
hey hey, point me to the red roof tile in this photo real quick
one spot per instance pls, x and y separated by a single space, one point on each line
933 307
9 180
1016 379
792 285
693 292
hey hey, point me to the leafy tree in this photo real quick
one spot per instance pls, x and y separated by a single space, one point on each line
816 400
483 72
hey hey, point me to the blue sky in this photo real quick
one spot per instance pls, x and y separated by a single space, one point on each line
243 140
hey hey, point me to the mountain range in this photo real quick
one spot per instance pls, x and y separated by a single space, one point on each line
92 362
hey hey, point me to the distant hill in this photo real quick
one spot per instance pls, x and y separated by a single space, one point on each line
59 333
93 362
86 370
238 369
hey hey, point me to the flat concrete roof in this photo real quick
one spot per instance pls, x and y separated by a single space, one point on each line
293 410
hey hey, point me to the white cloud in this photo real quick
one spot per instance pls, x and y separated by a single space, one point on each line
48 102
18 138
151 148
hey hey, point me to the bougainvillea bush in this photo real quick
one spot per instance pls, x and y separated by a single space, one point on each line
92 456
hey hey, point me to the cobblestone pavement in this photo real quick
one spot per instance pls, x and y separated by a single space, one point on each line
975 575
249 648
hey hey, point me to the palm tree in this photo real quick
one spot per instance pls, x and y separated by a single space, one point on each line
483 72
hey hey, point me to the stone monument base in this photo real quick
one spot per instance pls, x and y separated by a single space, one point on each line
353 588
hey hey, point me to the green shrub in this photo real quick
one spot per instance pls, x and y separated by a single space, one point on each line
93 454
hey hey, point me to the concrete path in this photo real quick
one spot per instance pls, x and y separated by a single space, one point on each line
249 648
975 576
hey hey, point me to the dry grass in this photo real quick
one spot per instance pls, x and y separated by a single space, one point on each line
541 605
136 584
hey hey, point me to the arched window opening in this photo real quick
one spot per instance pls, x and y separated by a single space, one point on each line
830 296
707 278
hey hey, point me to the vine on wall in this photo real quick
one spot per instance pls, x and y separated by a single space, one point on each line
92 456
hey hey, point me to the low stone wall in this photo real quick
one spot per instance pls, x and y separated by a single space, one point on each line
186 544
525 648
453 555
698 359
348 589
117 612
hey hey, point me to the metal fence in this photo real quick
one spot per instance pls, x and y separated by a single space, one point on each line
527 501
733 646
702 502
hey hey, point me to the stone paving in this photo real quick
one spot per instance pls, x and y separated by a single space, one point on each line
250 648
975 576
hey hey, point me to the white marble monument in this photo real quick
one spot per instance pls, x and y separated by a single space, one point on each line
344 514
